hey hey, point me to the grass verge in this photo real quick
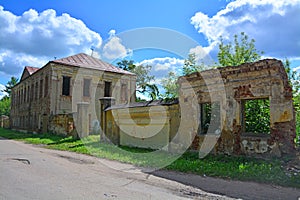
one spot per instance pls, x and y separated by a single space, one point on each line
229 167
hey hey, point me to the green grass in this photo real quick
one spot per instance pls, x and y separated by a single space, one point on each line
229 167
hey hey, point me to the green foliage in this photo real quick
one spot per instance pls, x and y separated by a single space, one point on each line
293 76
242 51
257 112
190 65
238 168
143 79
294 79
5 106
210 117
170 85
257 116
10 84
5 101
126 65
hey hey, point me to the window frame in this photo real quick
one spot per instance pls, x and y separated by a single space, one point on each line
202 130
243 117
86 92
107 89
66 86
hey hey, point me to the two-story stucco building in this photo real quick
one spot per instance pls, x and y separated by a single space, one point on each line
55 90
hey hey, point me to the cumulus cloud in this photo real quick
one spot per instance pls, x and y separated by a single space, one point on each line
35 38
2 94
296 68
163 64
273 24
113 48
201 55
12 63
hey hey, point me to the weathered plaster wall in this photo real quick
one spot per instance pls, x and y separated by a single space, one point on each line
30 105
4 121
142 126
38 98
62 124
230 86
68 104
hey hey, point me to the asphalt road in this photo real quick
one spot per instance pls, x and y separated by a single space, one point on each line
30 172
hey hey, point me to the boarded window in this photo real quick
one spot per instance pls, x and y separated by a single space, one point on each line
86 87
210 118
124 95
107 89
66 86
256 116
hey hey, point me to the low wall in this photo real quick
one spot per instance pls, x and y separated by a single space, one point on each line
4 122
62 124
143 126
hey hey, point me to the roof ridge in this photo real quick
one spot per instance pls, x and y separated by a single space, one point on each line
86 61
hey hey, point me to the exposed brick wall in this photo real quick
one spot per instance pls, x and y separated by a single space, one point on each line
230 86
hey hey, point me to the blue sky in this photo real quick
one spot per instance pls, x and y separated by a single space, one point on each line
157 32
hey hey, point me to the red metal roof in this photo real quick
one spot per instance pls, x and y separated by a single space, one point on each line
86 61
31 70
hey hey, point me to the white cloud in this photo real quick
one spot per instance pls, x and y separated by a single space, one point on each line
202 56
114 48
273 24
2 94
12 63
296 68
163 64
35 38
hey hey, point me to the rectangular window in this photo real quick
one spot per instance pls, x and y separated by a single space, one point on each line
46 87
124 96
32 92
256 116
86 87
66 86
23 95
210 120
29 93
41 88
36 91
107 88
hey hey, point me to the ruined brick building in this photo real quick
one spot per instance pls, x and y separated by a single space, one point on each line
212 114
45 97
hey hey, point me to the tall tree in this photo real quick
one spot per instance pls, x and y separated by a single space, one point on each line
190 65
170 85
126 65
294 79
241 51
5 101
10 84
5 106
143 78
